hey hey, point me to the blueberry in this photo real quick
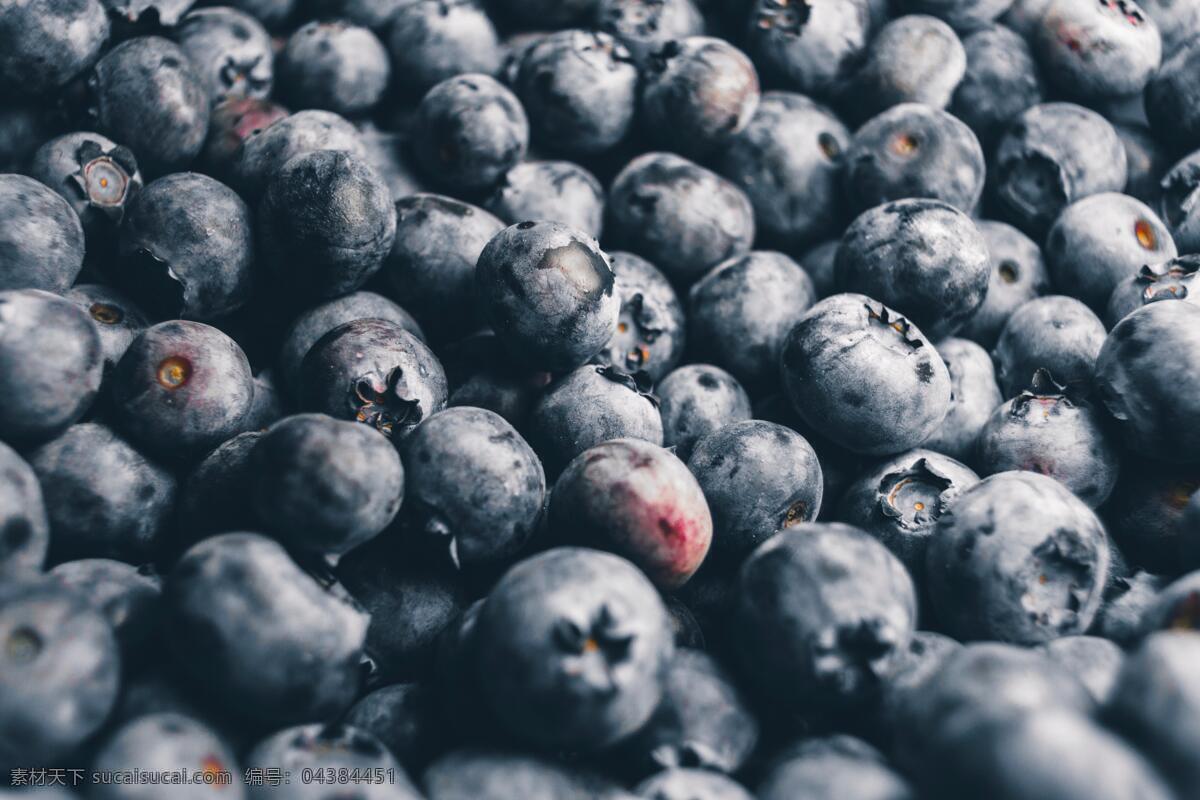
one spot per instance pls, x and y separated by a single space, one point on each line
810 49
651 328
679 215
44 395
432 40
473 485
332 750
96 176
1171 100
1145 510
573 648
922 257
326 222
40 235
964 16
864 376
695 401
375 372
135 16
60 672
1147 162
490 774
481 375
181 389
24 127
308 328
1125 603
975 395
1055 333
904 687
468 131
261 637
1176 608
147 95
406 719
231 123
1093 660
589 406
24 526
231 52
547 291
819 263
1170 280
837 766
187 248
264 152
431 267
267 407
45 43
1178 202
1176 23
638 500
1146 375
388 152
645 26
741 311
900 501
274 14
1001 81
552 13
788 160
333 65
691 784
1052 155
1018 274
912 150
702 722
1096 50
557 191
215 496
1018 559
580 88
823 612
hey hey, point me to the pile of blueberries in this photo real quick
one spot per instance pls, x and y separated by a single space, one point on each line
600 399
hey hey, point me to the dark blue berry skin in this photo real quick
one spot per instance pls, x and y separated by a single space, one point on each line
758 477
696 94
557 191
96 176
126 595
1146 376
187 248
264 153
333 65
1125 603
492 774
1018 274
835 766
468 131
1145 511
432 40
924 258
388 152
820 263
703 722
696 400
548 13
267 407
103 497
231 52
431 267
1176 608
691 784
24 527
60 675
308 328
24 127
311 497
863 376
40 235
645 26
547 291
651 328
374 372
1097 50
912 150
1147 162
274 14
1189 534
900 501
1055 333
573 648
340 748
147 95
181 389
1176 23
1018 559
1052 155
1156 701
1001 81
975 395
134 17
1093 660
678 215
1178 204
231 123
741 311
326 222
44 44
787 160
1046 431
1099 241
472 485
406 718
258 635
215 496
580 89
964 16
481 375
823 613
926 653
809 49
44 395
589 406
